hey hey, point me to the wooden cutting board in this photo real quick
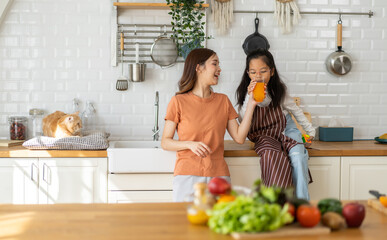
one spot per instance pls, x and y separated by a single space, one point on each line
10 143
293 230
374 203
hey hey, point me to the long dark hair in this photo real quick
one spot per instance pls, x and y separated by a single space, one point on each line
189 77
276 88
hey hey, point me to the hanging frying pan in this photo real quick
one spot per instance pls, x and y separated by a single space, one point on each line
339 63
255 41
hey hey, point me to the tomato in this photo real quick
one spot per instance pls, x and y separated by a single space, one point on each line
292 209
308 216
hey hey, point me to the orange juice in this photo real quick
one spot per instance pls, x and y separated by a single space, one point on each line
259 91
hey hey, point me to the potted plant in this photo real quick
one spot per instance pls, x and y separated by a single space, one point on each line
187 24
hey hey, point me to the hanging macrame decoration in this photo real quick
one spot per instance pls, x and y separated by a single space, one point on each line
222 14
283 11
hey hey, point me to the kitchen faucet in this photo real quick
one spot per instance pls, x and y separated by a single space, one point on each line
156 129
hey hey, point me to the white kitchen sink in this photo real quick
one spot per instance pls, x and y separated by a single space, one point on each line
139 157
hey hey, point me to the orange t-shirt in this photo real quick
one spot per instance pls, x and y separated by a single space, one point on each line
203 120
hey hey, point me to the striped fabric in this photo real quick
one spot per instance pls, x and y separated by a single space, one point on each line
272 146
96 140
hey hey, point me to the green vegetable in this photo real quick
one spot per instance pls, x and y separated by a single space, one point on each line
272 194
330 205
244 214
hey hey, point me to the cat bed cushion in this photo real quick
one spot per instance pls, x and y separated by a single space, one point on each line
96 140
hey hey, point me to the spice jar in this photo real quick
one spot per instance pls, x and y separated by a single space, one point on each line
37 118
17 128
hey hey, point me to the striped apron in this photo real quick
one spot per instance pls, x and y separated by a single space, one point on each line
272 145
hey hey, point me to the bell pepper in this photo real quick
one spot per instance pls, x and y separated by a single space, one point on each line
330 205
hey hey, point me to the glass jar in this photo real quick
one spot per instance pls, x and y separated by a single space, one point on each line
89 117
18 127
37 118
202 202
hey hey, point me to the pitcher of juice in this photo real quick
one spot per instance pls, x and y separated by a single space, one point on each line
259 90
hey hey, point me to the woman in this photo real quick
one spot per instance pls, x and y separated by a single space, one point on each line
269 121
201 118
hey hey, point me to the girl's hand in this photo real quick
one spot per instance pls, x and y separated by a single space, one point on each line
251 86
250 90
200 149
308 144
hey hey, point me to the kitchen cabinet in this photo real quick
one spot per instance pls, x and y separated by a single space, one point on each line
140 187
243 170
361 174
53 180
325 172
19 180
157 187
326 177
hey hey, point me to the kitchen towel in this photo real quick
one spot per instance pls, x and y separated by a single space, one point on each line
93 140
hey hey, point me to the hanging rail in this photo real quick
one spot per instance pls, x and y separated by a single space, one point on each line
369 14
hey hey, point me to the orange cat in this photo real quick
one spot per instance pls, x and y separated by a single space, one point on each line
60 125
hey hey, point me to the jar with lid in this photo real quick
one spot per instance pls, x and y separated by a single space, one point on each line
36 119
18 127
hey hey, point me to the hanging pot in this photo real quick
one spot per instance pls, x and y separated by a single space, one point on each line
339 63
255 41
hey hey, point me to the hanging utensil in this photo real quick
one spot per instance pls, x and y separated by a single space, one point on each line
122 81
255 41
137 69
164 51
339 63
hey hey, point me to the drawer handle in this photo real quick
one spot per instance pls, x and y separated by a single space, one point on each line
32 171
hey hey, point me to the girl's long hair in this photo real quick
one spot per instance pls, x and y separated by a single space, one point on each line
276 88
189 77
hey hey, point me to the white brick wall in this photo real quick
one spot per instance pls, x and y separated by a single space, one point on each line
54 51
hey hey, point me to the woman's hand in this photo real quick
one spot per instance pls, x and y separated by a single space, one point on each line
199 148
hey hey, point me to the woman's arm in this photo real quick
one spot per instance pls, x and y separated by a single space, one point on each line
239 132
169 144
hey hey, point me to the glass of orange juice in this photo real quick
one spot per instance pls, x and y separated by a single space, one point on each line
259 90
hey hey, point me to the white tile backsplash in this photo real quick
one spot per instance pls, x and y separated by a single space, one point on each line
54 51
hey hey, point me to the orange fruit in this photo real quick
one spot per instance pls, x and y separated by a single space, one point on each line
226 198
383 200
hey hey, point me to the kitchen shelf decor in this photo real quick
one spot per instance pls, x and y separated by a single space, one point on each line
369 14
144 35
187 24
149 5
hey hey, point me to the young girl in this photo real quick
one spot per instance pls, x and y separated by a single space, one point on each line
275 135
201 118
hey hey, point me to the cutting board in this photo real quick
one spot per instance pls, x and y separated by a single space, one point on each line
10 143
374 203
292 230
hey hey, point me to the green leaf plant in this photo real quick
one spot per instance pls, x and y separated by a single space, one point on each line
187 24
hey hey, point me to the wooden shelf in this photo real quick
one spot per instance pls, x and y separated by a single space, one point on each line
147 5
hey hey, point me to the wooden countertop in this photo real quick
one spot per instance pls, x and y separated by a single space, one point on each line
318 149
165 221
232 149
20 152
